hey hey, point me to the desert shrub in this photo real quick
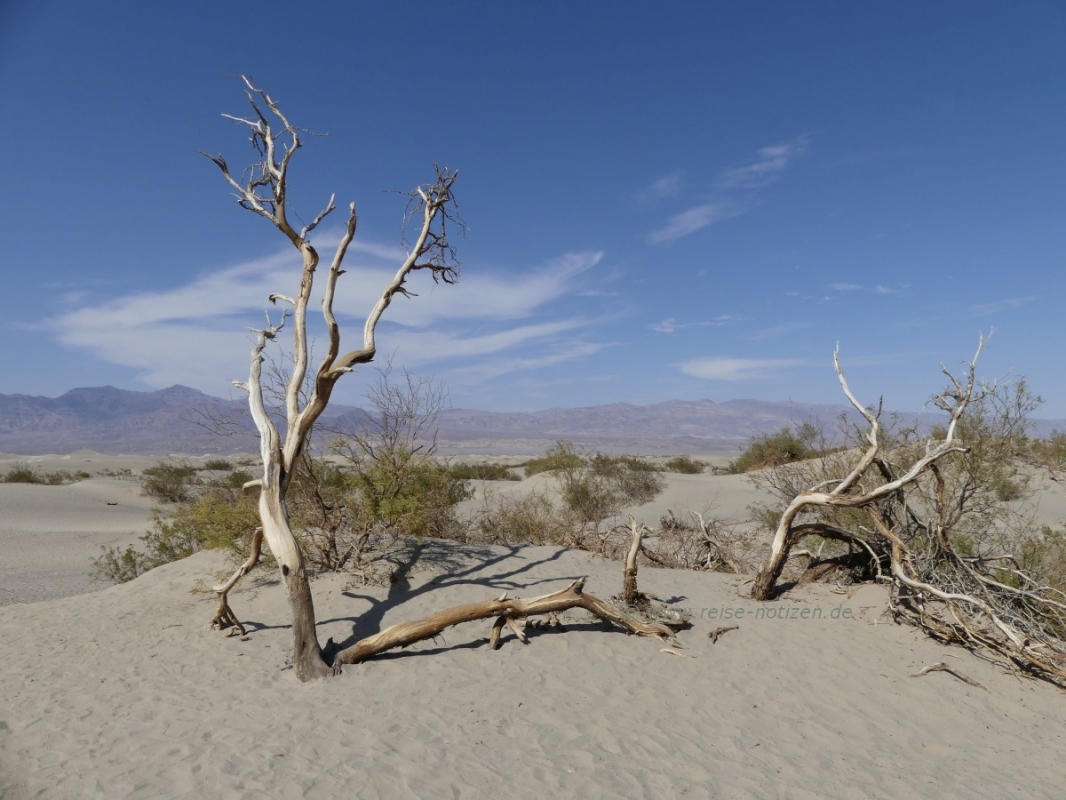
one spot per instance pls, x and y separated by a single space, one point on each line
483 471
531 519
684 465
594 488
21 472
219 518
218 465
775 449
631 481
236 479
415 499
169 482
704 542
1050 452
561 456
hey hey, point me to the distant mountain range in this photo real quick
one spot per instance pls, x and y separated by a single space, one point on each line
184 420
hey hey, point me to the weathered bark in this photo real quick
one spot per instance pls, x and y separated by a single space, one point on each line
224 616
505 611
846 492
631 595
265 194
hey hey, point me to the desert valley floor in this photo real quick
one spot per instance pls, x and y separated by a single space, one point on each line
124 691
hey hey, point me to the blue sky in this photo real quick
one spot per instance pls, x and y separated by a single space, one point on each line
665 201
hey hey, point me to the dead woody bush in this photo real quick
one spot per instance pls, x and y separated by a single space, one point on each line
927 518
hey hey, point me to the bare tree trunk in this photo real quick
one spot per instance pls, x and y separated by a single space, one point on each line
430 209
631 596
307 659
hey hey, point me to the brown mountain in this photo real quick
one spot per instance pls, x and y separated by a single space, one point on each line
184 420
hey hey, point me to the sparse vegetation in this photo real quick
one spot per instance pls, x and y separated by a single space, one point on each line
169 482
218 465
684 465
219 518
484 471
21 472
776 449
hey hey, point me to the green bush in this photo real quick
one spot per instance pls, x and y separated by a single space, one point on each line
1050 452
775 449
21 472
482 471
684 465
169 482
531 519
415 499
218 465
217 519
560 457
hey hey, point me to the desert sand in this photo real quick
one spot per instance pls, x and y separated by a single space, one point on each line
124 691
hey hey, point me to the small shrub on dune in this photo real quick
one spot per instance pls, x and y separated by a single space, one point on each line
482 471
684 465
21 472
774 450
169 482
218 519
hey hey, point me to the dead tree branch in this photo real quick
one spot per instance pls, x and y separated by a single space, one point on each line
573 596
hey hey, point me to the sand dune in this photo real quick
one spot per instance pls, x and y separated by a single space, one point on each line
124 692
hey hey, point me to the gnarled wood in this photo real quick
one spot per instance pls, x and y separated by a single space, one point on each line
846 493
506 612
265 193
631 595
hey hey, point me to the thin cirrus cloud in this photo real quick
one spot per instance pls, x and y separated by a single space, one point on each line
770 163
692 220
668 185
1007 304
736 369
671 325
197 334
767 168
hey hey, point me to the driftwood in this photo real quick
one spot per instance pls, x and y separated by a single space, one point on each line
507 612
713 635
940 666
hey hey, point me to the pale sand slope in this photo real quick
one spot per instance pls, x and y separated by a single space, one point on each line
125 693
49 534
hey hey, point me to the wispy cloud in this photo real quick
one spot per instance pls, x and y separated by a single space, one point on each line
766 169
779 330
670 325
692 220
736 369
856 287
197 333
663 187
1007 304
668 185
487 369
770 162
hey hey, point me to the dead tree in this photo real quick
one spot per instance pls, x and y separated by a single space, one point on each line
976 596
263 190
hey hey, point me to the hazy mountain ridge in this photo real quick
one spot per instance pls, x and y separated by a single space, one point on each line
177 419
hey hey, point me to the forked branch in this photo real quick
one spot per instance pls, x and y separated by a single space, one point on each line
573 596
